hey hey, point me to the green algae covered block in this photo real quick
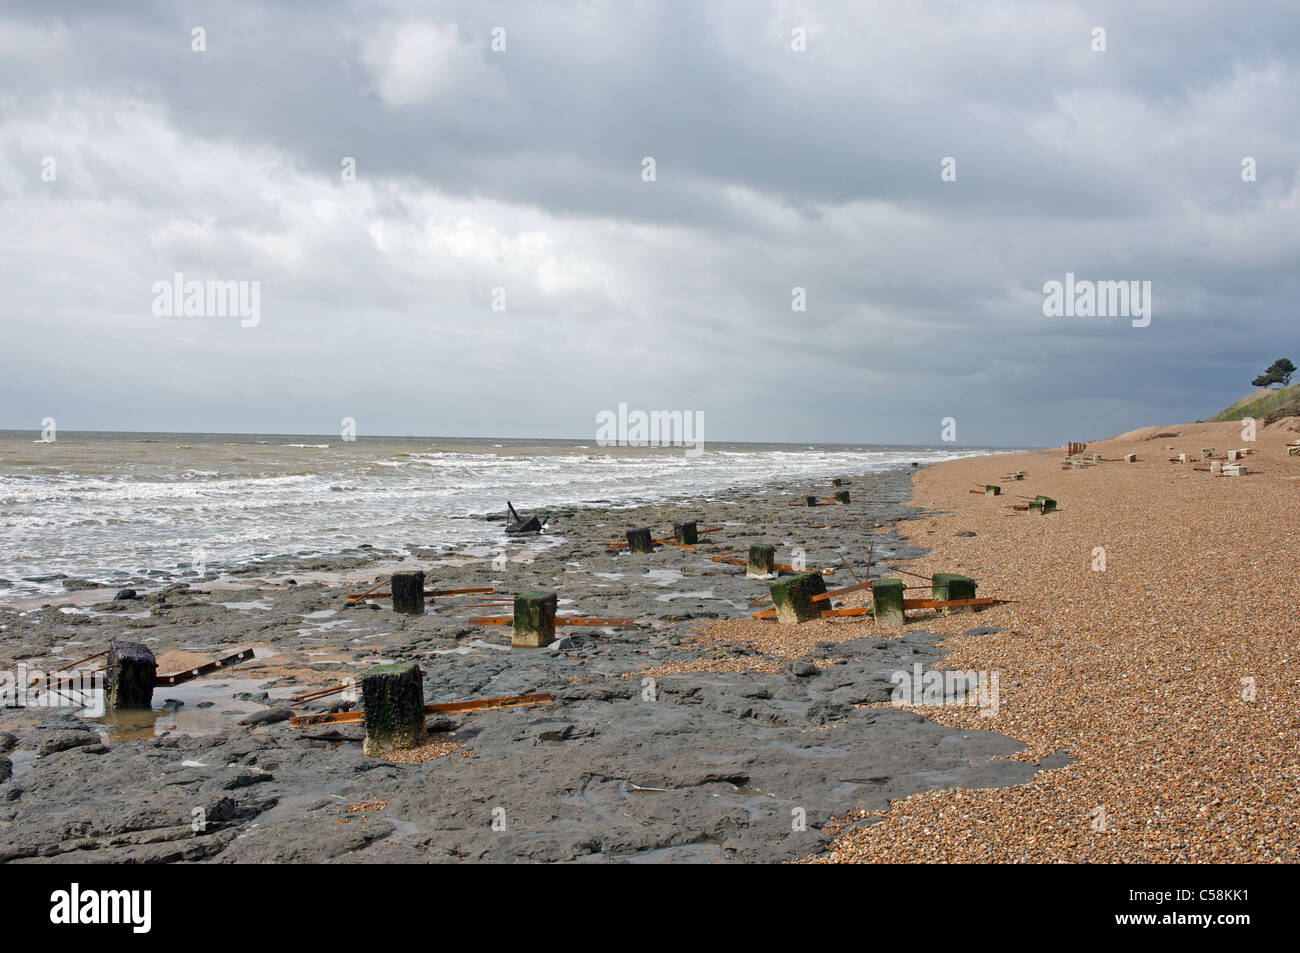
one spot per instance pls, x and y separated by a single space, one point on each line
687 532
887 601
534 620
952 586
792 597
1042 505
762 561
992 490
842 496
393 699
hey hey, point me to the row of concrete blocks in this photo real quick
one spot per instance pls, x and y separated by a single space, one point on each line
641 541
794 602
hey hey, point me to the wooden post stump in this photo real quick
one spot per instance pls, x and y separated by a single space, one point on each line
639 541
762 562
952 586
408 592
810 501
393 699
534 626
841 496
792 597
837 482
887 601
132 673
686 532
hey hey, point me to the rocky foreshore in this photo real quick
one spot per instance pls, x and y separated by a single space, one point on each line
661 743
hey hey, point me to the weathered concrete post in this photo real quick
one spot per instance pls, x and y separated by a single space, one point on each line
991 490
762 562
408 592
887 601
1215 466
534 620
393 699
1042 505
952 586
639 541
1130 458
841 496
1207 452
792 597
810 501
1096 458
837 482
1182 458
1020 474
132 673
686 532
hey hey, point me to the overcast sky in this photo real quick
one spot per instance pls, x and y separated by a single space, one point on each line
522 169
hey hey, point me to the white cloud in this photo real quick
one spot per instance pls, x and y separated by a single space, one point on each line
411 63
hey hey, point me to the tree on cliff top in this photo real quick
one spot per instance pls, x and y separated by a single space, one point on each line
1279 372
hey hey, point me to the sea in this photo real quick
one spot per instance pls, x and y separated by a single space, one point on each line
118 506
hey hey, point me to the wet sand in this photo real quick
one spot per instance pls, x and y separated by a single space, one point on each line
664 742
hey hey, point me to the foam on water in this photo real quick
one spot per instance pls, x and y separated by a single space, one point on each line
117 506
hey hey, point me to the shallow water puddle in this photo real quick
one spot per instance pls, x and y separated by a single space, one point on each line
470 646
670 596
262 604
21 759
221 709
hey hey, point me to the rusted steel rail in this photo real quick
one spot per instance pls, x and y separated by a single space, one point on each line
559 620
429 593
667 540
781 566
480 704
176 678
918 604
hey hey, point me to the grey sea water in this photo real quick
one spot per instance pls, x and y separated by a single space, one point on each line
108 505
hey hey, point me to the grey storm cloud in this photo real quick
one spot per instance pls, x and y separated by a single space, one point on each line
521 169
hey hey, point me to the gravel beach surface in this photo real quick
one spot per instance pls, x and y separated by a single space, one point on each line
1154 638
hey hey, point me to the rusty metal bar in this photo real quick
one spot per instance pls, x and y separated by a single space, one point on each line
176 678
559 620
909 572
481 704
468 590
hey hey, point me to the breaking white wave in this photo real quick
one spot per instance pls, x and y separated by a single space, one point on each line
108 507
